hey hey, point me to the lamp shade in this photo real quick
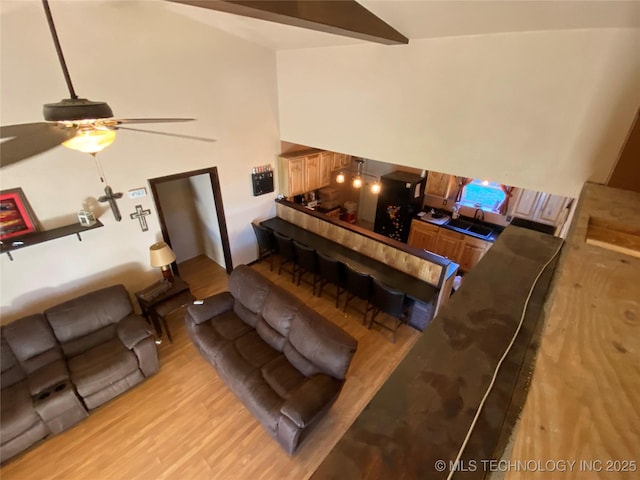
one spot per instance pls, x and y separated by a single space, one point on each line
161 255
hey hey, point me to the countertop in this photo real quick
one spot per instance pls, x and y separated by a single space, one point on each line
496 229
423 412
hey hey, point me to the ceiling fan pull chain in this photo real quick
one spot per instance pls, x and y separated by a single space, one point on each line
56 41
99 167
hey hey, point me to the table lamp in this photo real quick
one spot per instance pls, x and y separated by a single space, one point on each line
162 256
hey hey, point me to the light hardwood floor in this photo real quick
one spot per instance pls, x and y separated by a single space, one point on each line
183 423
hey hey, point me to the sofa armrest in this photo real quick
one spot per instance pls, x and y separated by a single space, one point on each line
212 307
311 398
133 329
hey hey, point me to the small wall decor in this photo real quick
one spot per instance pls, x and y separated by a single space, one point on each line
262 180
86 218
16 216
111 198
140 214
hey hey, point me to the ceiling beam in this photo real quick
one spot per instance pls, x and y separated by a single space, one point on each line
340 17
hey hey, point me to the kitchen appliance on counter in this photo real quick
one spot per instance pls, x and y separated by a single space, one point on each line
400 199
437 218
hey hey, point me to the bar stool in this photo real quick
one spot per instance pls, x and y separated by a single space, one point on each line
358 284
306 260
331 270
266 243
287 254
389 301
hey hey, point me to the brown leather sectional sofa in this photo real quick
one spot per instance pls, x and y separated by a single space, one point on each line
59 365
285 361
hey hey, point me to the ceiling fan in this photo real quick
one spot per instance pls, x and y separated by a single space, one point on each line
74 122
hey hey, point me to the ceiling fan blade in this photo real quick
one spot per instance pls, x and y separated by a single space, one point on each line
179 135
30 139
150 120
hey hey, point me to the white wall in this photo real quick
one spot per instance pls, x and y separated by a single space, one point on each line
146 62
540 110
182 219
208 218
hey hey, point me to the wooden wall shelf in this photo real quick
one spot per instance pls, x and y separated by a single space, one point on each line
23 241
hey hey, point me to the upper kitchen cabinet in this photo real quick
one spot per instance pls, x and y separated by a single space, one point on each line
291 175
439 184
326 162
539 207
301 172
340 161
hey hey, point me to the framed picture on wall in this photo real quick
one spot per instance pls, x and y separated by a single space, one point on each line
16 216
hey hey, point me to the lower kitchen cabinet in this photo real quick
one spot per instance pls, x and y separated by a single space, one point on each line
423 235
472 251
450 244
463 249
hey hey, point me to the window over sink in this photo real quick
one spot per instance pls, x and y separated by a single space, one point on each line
483 194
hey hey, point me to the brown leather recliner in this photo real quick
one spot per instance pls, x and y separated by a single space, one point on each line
108 347
286 362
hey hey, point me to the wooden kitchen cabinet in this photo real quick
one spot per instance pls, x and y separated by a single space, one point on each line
439 184
423 235
340 161
551 209
303 172
525 204
291 175
539 207
326 161
463 249
312 172
450 244
472 251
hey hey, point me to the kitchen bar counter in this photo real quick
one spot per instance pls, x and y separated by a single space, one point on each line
414 288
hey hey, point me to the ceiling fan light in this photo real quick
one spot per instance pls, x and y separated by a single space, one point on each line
340 178
90 140
357 182
375 187
75 109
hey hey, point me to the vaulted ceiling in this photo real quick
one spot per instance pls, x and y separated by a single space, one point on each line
419 19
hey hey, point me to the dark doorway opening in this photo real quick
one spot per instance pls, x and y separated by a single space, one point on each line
204 198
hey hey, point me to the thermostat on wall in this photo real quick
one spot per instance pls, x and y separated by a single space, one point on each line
137 193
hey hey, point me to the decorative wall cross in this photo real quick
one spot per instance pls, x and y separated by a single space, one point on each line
111 198
140 214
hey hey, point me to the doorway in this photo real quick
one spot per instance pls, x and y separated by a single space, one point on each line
191 215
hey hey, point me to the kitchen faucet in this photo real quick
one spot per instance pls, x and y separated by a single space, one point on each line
479 214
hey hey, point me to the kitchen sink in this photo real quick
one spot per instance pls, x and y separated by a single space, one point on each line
480 230
465 226
459 223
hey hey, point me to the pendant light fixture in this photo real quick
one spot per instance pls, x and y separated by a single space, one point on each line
359 179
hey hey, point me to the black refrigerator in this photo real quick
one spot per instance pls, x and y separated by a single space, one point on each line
399 200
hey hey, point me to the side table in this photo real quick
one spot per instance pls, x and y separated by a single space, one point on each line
160 299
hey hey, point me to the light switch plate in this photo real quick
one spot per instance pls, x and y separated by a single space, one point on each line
137 193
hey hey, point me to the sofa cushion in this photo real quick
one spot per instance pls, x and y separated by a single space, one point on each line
255 350
90 312
86 342
277 314
12 372
250 290
17 414
32 342
229 326
282 377
322 343
101 366
48 376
